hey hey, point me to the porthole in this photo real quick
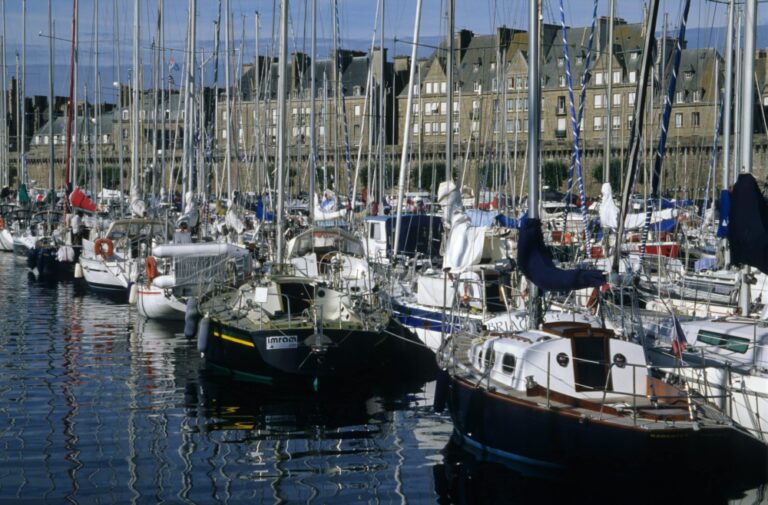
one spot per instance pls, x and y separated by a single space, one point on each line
562 359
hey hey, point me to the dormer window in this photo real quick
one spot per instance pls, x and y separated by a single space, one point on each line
357 90
560 62
688 74
633 56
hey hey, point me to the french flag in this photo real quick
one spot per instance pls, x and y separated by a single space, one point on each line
678 338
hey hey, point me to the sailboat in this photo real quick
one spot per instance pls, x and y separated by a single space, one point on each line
311 317
565 396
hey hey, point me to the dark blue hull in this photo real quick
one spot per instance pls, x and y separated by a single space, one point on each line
508 428
282 358
44 261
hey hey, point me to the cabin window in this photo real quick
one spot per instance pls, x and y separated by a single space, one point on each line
489 358
727 342
508 363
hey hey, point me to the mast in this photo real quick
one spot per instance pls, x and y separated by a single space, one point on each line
23 90
51 175
728 95
382 105
747 106
609 98
407 130
636 132
312 93
257 102
282 90
737 106
6 175
136 103
449 107
119 104
534 111
75 76
228 106
70 106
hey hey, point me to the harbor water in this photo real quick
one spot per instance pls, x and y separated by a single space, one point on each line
97 406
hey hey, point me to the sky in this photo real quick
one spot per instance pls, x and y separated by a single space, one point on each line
357 22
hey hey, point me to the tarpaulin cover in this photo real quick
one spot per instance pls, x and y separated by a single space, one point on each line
748 224
535 261
725 211
78 199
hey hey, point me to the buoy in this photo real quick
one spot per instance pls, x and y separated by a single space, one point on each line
133 293
78 271
202 333
191 316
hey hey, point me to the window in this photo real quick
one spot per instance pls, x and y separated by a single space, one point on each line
125 133
442 127
617 99
357 90
455 106
616 122
560 62
46 139
294 112
688 74
597 123
428 109
443 108
510 83
357 130
561 105
731 343
475 126
633 56
599 78
416 89
322 131
631 98
416 128
765 101
223 133
678 120
630 120
478 88
475 105
125 114
508 363
599 101
561 81
511 104
443 87
37 139
415 109
695 119
680 97
696 96
579 60
617 77
428 129
633 76
357 110
561 125
455 127
429 88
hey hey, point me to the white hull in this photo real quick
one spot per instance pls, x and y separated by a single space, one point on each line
154 303
105 275
6 241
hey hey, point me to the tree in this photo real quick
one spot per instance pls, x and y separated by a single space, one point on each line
554 172
614 173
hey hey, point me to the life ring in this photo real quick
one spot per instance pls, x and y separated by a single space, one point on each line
465 298
151 266
568 238
2 223
98 248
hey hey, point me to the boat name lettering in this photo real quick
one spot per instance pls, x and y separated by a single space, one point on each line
282 342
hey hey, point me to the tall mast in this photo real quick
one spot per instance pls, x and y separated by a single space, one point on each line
119 85
636 133
257 102
282 90
449 108
312 93
136 103
96 100
407 129
534 112
23 89
75 77
380 183
161 70
51 176
609 98
747 106
228 107
6 180
737 106
728 95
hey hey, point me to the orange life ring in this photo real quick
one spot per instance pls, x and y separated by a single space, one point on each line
568 238
98 248
2 223
151 265
465 298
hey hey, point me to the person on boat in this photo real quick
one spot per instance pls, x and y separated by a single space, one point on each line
182 235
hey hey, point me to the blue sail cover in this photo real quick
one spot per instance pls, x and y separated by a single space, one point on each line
535 261
748 224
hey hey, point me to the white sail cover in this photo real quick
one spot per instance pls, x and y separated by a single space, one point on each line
609 213
465 243
326 210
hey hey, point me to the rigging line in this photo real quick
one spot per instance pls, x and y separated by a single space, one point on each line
659 158
574 119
